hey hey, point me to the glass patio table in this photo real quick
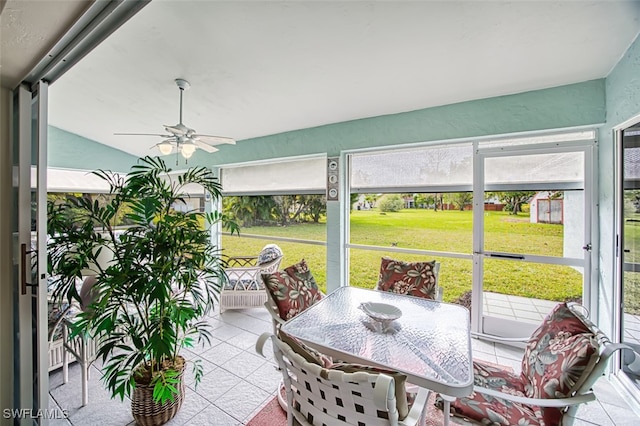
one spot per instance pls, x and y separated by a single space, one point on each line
430 342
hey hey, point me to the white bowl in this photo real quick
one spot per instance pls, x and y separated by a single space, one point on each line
381 311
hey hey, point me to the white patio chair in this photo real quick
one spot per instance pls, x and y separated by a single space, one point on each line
321 396
244 288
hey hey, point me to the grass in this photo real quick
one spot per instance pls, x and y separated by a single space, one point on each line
447 231
631 294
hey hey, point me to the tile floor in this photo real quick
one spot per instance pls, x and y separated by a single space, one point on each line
516 307
237 382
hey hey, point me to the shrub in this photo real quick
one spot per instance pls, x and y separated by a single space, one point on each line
391 203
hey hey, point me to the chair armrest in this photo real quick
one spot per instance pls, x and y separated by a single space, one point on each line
417 409
541 402
277 321
262 339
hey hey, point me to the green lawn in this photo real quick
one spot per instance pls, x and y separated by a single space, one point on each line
447 231
631 293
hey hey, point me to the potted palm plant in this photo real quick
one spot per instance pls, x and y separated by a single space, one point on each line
161 278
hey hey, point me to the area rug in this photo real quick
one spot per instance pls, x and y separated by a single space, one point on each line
273 415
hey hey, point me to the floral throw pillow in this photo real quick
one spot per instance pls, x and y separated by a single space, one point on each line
559 355
412 278
293 290
558 364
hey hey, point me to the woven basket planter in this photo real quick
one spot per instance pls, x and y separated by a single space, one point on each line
146 412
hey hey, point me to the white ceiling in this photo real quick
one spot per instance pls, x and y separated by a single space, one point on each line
28 30
259 68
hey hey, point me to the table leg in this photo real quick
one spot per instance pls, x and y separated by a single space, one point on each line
447 400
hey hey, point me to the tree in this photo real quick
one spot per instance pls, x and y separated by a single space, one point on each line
250 210
314 206
461 199
353 198
438 201
513 200
371 199
420 200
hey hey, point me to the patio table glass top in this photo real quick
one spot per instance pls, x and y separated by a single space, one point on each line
430 342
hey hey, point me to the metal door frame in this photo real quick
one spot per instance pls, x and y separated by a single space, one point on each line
589 290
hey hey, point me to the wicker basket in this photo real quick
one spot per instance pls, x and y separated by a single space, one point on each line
148 413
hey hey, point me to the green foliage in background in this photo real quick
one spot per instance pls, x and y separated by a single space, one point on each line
447 231
390 203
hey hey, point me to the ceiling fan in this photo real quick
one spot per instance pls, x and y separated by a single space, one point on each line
184 139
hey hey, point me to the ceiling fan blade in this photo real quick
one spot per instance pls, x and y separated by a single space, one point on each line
144 134
203 146
181 136
214 140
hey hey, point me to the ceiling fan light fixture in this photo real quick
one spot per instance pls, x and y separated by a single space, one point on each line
165 147
187 149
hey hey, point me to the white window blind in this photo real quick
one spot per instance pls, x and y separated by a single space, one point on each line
66 180
537 172
423 169
286 176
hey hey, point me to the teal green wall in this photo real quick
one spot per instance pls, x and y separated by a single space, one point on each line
70 151
559 107
622 103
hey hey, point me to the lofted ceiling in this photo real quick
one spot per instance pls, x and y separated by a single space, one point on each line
265 67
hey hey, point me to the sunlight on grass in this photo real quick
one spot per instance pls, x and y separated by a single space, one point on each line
447 231
631 294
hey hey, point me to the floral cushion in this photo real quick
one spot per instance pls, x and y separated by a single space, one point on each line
412 278
559 355
489 410
235 284
292 290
